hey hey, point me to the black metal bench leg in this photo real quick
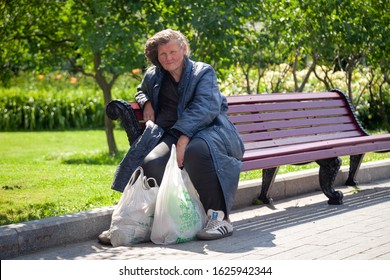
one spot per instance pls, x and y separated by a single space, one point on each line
267 182
354 165
327 175
119 109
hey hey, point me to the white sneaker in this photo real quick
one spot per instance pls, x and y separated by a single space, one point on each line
216 227
105 237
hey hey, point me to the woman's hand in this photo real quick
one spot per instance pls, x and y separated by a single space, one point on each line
148 112
180 149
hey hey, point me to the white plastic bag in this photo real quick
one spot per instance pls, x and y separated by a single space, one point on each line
179 214
132 218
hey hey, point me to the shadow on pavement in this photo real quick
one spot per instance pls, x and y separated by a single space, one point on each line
256 232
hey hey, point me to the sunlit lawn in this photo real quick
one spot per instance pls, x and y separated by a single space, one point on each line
44 174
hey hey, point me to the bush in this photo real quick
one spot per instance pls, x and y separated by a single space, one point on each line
28 113
56 102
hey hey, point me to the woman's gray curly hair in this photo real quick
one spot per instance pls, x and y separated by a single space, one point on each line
162 38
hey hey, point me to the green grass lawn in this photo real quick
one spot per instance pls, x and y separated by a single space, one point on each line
44 174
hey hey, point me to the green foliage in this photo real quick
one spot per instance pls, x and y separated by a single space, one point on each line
56 102
27 113
104 39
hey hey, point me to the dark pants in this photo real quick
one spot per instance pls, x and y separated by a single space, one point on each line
197 162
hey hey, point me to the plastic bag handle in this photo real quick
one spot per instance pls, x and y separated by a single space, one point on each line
138 172
147 186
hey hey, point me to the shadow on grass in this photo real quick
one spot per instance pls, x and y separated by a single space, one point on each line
99 158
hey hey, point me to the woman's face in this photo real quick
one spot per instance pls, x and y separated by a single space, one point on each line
171 57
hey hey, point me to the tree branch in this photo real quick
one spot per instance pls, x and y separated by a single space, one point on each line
80 69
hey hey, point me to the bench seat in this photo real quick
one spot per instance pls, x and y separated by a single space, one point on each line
301 153
289 128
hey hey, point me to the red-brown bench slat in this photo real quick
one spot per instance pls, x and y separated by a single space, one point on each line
297 140
267 107
280 97
383 142
278 159
264 126
259 136
283 115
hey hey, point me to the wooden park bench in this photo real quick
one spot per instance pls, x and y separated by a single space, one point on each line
292 128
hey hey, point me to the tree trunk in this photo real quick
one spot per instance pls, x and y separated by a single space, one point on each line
108 123
109 127
106 88
348 75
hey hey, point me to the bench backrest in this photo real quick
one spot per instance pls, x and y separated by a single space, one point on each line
274 120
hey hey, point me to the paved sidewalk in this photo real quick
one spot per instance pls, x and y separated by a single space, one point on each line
301 228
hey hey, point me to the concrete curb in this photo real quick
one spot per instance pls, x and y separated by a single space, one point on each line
23 238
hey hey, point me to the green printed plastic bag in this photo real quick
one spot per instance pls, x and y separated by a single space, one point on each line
179 214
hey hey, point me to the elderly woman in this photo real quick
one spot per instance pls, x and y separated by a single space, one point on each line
183 98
